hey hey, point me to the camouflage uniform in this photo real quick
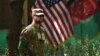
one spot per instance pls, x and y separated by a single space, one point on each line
32 41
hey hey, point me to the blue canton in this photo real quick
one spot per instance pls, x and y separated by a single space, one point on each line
49 3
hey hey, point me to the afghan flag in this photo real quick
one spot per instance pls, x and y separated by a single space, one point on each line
86 17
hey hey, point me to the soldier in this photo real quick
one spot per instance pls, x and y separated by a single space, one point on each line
32 37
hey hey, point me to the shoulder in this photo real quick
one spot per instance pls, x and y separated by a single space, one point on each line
25 32
26 29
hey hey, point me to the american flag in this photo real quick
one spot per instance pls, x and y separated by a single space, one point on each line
57 22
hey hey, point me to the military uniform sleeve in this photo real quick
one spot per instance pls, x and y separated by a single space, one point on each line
23 50
22 42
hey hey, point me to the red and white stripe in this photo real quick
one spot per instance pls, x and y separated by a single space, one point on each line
57 22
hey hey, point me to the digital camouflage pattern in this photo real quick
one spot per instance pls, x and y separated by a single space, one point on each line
32 41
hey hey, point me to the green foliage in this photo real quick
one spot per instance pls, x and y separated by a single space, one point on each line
76 47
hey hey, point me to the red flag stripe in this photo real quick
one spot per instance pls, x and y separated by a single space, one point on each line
62 25
50 30
68 16
63 19
55 18
60 22
49 35
54 35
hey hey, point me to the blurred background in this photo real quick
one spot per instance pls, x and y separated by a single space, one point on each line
14 15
